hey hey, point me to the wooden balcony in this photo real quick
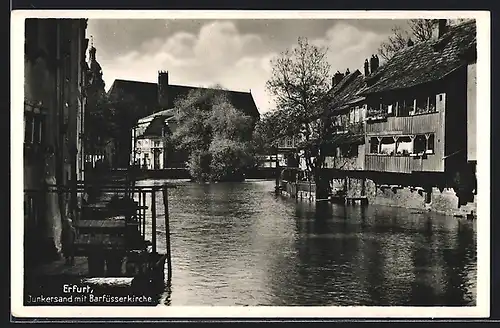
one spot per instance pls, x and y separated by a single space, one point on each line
404 164
353 128
423 123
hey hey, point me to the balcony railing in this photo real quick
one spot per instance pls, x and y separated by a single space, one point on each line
353 128
403 164
424 123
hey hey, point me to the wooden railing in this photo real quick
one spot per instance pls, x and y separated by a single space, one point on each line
399 164
353 128
423 123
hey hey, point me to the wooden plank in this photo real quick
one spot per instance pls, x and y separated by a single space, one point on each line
99 240
106 224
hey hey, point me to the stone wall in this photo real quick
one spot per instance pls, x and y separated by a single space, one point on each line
445 201
440 201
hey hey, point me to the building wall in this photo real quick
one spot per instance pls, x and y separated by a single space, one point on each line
356 163
145 155
409 126
54 105
471 112
443 201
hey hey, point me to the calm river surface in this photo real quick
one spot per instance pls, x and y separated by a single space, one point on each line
238 244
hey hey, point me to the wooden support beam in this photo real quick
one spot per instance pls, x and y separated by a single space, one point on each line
153 220
167 233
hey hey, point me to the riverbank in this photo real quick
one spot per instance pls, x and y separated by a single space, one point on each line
239 244
433 200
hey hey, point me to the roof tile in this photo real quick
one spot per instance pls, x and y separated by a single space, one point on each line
424 62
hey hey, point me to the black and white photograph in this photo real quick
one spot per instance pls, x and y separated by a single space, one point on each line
225 164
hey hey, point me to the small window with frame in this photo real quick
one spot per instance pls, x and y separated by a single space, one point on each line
374 145
28 128
432 104
420 144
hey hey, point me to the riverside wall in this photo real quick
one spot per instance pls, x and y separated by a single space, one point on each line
444 201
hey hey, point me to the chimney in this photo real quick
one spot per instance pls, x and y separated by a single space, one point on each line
162 89
347 72
440 27
337 78
367 68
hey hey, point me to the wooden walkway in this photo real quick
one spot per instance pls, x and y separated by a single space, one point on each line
106 227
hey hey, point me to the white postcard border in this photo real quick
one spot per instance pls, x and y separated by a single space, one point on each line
483 176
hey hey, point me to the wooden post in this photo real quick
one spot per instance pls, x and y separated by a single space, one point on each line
277 173
143 213
153 218
167 233
139 212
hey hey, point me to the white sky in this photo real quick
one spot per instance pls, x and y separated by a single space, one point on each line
233 53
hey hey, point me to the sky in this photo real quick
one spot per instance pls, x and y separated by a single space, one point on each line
233 53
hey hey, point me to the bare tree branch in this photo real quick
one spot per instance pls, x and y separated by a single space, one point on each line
421 30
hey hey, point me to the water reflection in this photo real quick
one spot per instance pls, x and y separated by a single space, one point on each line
238 244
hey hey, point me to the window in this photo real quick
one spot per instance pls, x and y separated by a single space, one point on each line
387 146
432 104
37 130
374 145
424 144
421 106
420 144
391 110
34 126
349 151
404 146
28 128
406 107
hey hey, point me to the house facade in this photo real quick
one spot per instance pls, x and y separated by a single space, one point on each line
54 107
148 146
417 135
150 141
403 133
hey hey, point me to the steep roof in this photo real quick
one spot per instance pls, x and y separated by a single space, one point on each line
424 62
147 94
346 92
241 100
155 128
166 113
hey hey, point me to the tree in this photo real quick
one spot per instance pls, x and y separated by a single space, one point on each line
300 82
215 135
420 30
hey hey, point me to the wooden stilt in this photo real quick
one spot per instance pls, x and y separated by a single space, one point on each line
153 218
167 233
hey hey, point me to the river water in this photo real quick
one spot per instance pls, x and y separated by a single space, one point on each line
239 244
